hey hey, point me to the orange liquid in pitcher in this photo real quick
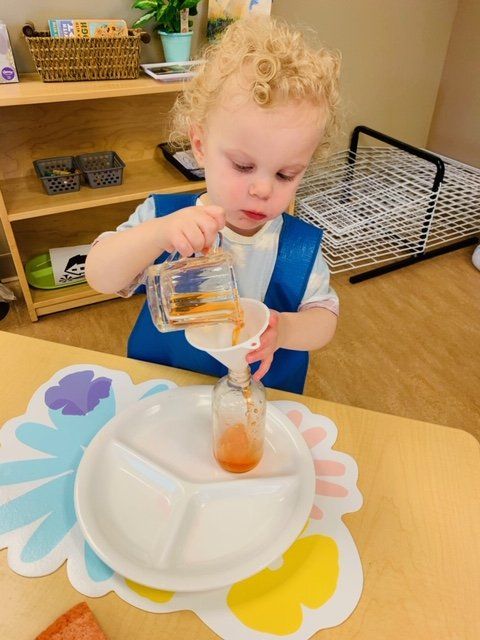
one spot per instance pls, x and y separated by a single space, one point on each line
198 307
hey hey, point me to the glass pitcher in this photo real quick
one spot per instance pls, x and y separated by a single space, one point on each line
182 292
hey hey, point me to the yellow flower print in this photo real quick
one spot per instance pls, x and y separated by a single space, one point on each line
271 600
155 595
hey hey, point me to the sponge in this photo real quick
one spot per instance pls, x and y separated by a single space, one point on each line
78 623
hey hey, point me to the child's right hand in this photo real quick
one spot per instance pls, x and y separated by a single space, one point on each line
192 229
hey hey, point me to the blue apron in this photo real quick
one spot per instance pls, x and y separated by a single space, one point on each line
297 249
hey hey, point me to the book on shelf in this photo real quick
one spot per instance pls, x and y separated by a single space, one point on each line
87 28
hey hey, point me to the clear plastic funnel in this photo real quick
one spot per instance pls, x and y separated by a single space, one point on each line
216 339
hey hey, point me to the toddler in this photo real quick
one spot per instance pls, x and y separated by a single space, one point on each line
263 103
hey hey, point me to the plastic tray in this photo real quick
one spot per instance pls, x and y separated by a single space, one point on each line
190 174
39 273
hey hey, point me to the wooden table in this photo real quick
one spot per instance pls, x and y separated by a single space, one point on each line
418 533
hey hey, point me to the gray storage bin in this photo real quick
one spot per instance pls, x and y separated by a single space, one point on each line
57 184
101 169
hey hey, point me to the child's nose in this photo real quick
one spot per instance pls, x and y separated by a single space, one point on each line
260 189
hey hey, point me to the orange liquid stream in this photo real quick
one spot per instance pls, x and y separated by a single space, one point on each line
237 329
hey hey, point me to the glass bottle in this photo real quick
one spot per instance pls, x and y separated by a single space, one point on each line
239 410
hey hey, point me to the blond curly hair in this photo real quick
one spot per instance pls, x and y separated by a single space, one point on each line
275 65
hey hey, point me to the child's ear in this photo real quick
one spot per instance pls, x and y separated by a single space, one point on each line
197 143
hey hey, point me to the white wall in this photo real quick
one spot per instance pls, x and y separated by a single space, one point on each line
393 55
455 130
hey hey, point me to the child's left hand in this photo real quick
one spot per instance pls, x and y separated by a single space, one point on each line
268 346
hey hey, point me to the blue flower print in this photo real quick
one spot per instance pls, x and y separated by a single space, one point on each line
156 389
78 407
97 570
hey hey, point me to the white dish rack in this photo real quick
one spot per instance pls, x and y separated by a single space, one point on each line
383 204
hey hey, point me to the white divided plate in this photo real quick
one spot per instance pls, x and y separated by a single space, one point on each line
155 506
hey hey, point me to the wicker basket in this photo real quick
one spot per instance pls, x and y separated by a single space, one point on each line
70 59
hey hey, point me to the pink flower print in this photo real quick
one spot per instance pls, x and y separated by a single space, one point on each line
324 468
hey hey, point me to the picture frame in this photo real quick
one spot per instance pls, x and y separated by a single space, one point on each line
171 71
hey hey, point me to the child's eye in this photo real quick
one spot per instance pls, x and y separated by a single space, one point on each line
242 167
282 176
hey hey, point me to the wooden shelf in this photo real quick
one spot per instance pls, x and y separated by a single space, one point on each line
31 89
42 120
47 301
26 198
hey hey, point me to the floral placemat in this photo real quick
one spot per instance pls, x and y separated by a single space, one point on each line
314 585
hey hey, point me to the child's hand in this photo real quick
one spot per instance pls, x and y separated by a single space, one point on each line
192 229
268 345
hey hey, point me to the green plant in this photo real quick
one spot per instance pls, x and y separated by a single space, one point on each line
165 13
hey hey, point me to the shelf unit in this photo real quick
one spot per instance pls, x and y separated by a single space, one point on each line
41 120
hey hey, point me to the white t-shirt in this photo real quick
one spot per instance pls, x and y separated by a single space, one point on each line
254 259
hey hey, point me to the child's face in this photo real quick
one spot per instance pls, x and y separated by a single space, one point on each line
254 158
